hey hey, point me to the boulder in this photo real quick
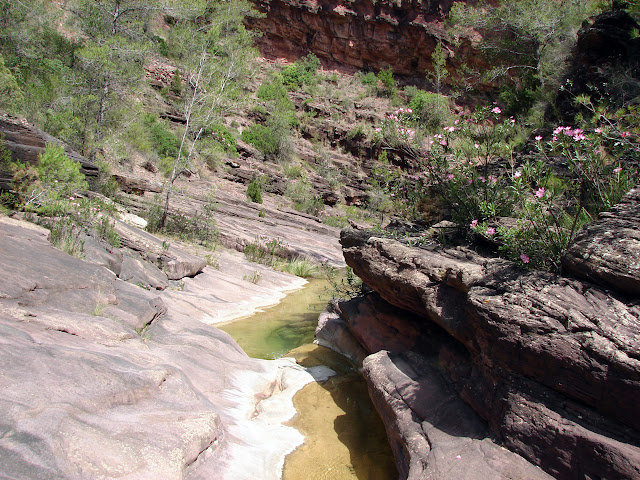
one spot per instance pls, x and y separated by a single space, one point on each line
173 261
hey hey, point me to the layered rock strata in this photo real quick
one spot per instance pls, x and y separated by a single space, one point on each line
358 35
104 379
551 364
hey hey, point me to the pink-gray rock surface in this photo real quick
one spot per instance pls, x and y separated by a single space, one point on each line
104 379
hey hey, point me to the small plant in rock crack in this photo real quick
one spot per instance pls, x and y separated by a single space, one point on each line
253 277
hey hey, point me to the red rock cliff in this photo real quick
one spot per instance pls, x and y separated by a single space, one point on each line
353 35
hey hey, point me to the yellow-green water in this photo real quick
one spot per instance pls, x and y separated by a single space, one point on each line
283 327
344 436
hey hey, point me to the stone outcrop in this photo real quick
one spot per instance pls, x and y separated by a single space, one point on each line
358 35
104 379
26 142
608 251
550 363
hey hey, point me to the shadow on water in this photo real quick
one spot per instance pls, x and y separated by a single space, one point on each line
344 436
350 441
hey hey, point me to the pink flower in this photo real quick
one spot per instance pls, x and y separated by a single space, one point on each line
517 174
476 145
617 170
524 258
538 138
625 134
540 192
474 224
496 110
598 130
451 176
491 231
443 142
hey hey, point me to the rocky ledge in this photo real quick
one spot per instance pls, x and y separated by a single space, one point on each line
467 352
104 379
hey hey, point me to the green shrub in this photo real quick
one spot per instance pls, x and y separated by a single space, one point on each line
164 142
302 72
368 79
54 177
292 171
430 110
254 191
265 250
263 138
65 235
176 83
388 83
301 193
273 90
301 267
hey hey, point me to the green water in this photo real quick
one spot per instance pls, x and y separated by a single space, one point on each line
344 436
283 327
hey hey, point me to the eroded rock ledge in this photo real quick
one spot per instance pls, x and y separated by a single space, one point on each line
551 364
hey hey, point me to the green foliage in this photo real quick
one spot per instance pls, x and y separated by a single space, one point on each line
356 133
342 287
54 177
368 79
430 110
11 96
523 38
104 229
161 45
388 86
302 72
265 250
65 235
458 166
263 138
439 71
273 90
293 171
300 191
199 228
176 83
550 206
301 267
254 191
164 142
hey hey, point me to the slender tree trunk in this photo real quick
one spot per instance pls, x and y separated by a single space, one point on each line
116 14
101 110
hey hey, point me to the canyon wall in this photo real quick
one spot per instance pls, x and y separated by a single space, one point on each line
354 35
